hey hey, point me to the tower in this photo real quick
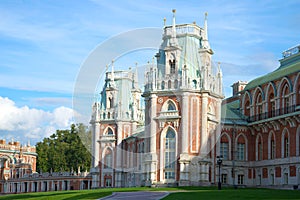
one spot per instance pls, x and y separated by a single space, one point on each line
116 116
183 94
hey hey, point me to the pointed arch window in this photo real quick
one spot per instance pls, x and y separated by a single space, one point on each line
271 105
224 147
286 99
272 148
241 148
169 149
286 146
259 107
110 131
108 159
171 106
172 66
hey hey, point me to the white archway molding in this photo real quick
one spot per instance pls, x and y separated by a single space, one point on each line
164 108
107 148
271 86
162 147
105 132
258 90
247 96
282 84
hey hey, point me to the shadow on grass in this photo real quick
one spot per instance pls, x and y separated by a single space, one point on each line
228 193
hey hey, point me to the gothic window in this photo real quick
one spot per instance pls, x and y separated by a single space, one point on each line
286 99
169 84
109 131
241 149
172 66
247 105
285 144
286 147
259 108
271 105
176 84
162 85
110 102
224 147
259 148
169 151
272 149
108 159
171 106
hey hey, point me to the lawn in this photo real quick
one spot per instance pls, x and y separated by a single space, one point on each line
180 193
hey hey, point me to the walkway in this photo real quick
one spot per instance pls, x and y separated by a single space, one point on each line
136 195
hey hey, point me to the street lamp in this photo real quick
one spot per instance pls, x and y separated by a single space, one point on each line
219 163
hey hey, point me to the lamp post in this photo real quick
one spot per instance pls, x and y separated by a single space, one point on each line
219 163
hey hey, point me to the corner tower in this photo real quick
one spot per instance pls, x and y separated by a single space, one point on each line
116 116
183 94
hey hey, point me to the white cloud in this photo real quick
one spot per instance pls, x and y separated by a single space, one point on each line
24 122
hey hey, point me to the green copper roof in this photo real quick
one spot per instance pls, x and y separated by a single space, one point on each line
288 66
231 114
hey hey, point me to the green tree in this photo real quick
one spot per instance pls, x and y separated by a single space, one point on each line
64 150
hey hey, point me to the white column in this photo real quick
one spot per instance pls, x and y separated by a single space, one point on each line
153 100
96 146
204 134
118 165
184 123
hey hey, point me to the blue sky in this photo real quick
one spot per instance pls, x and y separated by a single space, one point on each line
45 43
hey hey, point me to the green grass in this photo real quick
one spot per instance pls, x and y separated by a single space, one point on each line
179 193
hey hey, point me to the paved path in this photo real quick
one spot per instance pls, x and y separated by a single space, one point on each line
136 195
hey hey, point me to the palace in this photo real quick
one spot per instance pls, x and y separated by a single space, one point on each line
18 172
186 123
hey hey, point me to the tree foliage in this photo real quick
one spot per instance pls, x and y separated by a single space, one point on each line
65 151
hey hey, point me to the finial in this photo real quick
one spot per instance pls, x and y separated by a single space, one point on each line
106 68
174 11
165 21
194 22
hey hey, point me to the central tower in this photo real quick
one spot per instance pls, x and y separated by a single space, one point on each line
183 94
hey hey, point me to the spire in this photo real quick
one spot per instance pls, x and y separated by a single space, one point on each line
173 41
136 76
112 74
205 43
165 22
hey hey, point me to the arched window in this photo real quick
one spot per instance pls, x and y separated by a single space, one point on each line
109 131
241 148
224 147
108 159
259 148
272 146
162 85
172 66
170 159
110 102
169 84
176 84
171 106
285 144
286 99
259 108
271 105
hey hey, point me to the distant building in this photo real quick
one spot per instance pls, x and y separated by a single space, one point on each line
18 172
187 123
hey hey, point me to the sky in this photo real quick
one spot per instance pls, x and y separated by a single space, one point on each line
45 45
